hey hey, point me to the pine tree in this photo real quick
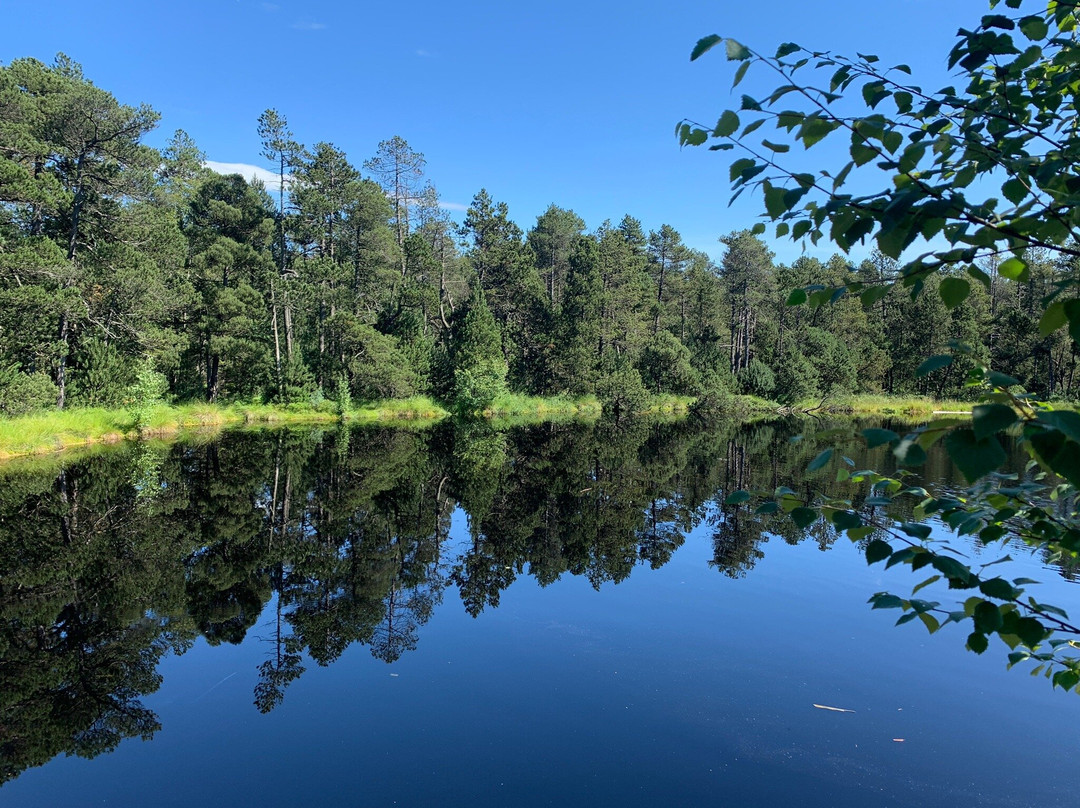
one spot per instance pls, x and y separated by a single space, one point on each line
479 366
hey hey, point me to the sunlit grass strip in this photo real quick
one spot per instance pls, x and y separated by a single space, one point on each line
56 431
919 406
417 408
515 406
666 403
754 404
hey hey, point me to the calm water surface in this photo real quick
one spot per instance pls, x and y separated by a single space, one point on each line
554 615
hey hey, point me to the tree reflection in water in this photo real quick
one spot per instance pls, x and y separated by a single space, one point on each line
325 539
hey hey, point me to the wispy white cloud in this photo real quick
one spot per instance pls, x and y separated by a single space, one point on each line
309 26
269 6
423 54
270 180
250 172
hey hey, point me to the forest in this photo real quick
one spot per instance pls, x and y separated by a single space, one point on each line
128 271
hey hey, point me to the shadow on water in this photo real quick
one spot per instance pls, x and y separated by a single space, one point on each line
333 539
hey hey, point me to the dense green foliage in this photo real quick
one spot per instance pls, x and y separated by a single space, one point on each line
352 284
988 170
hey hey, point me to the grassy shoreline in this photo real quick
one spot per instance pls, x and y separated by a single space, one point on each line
58 431
883 405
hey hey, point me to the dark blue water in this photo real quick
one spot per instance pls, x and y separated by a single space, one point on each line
623 676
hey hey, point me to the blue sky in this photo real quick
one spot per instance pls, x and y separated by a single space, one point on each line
567 102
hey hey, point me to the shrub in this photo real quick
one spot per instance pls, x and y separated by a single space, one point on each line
756 379
22 393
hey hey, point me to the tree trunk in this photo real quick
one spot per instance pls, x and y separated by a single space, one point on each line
733 327
61 368
277 342
288 325
659 296
213 378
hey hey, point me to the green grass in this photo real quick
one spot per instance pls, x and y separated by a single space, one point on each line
916 406
418 408
49 432
55 431
536 407
666 404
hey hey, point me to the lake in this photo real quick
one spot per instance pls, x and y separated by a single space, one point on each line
562 614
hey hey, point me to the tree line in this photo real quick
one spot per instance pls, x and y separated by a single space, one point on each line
125 268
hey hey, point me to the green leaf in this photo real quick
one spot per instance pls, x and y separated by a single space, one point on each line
737 497
1066 421
933 363
929 621
989 419
872 295
846 520
728 123
1018 656
804 517
959 576
740 167
998 588
1014 190
987 618
819 462
814 130
692 137
861 154
954 291
879 437
907 555
883 600
774 200
1072 314
974 457
703 45
931 580
1030 631
1066 679
916 530
1014 269
1053 318
1001 380
1034 27
735 51
977 642
797 297
1062 455
779 148
877 550
740 73
909 453
980 276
